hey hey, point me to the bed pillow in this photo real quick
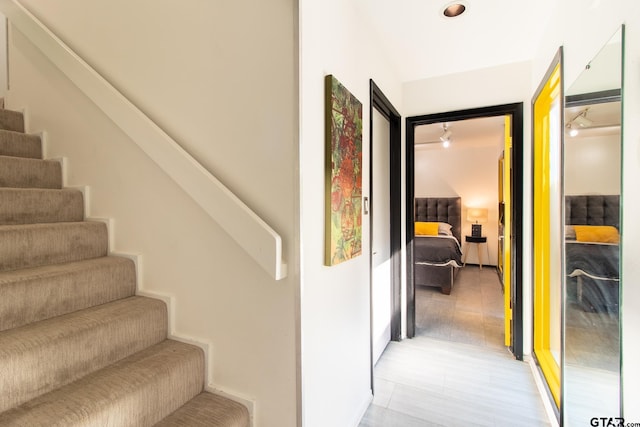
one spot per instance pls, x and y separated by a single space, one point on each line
444 229
569 232
433 229
597 233
426 228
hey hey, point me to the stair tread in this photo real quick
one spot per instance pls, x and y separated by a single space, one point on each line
40 205
19 144
139 390
31 245
76 344
11 120
38 293
21 172
208 410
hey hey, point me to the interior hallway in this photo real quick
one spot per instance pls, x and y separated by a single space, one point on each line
456 371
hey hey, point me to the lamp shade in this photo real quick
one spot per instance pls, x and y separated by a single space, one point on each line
477 214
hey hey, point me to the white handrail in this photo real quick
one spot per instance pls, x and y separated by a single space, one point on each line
254 235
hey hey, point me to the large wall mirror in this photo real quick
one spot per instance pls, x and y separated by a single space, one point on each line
592 195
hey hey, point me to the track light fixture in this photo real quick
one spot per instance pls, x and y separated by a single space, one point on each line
446 136
580 121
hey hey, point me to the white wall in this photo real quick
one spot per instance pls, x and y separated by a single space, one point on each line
592 165
220 78
470 173
334 300
482 88
583 29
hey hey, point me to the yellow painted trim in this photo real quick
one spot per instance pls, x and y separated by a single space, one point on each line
506 197
541 231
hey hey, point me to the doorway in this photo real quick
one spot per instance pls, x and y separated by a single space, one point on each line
513 307
385 222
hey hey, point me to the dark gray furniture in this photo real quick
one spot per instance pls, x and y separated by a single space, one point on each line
437 209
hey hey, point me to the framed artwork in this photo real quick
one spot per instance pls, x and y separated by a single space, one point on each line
343 173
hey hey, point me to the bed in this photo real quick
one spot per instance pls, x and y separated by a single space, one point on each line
592 252
437 257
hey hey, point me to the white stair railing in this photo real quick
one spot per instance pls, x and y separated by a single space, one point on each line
253 234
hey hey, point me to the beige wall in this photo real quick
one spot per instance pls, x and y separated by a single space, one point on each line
592 165
219 79
470 173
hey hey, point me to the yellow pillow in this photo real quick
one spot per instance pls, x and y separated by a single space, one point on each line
426 228
597 233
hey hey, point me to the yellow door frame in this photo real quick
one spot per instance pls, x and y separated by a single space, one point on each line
549 94
505 197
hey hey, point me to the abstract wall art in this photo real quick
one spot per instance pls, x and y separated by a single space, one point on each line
343 173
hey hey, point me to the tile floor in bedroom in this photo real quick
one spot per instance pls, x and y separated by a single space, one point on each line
456 371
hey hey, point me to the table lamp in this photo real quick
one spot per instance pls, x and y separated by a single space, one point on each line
477 215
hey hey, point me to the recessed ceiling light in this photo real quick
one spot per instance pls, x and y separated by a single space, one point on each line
454 9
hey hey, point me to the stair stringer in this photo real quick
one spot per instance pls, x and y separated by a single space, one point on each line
137 258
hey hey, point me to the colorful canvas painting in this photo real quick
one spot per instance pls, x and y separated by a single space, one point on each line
343 173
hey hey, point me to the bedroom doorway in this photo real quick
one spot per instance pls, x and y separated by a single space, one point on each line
512 117
385 222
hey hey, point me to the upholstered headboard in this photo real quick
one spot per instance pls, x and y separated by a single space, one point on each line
592 210
440 209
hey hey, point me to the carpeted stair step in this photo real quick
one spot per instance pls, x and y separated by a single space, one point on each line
43 356
33 245
18 172
11 120
20 144
34 294
208 410
37 205
137 391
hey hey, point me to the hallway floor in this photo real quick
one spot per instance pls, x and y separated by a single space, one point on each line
456 371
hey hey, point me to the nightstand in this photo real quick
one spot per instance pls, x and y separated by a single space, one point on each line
477 241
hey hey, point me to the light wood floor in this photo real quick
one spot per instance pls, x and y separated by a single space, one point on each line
456 371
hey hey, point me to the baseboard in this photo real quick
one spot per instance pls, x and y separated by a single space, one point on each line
363 409
543 391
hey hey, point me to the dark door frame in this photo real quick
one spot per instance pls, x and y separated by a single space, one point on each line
380 102
516 112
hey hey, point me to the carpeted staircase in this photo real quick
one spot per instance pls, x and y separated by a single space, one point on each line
77 346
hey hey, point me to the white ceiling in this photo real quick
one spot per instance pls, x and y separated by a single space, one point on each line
422 43
464 133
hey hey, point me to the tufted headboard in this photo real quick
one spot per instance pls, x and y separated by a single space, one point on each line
440 209
592 210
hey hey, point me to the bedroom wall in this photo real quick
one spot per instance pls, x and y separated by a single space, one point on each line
192 66
592 165
583 29
335 301
467 172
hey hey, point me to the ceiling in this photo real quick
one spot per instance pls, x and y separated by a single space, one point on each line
488 131
421 43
